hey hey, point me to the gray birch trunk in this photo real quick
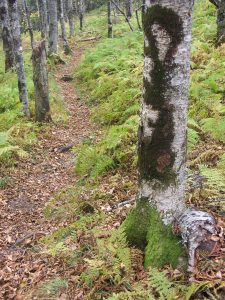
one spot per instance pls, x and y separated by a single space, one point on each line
66 46
81 13
40 78
18 52
129 8
162 141
42 7
53 28
6 36
110 25
27 11
70 17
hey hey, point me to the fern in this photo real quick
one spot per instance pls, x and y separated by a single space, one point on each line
215 127
215 178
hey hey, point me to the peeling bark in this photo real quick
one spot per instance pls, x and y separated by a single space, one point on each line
18 52
53 27
40 79
6 36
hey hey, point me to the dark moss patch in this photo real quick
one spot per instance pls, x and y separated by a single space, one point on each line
156 157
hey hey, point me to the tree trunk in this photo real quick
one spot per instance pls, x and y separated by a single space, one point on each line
110 25
81 13
70 17
53 27
129 8
221 22
29 23
6 36
40 78
42 6
66 46
15 29
162 132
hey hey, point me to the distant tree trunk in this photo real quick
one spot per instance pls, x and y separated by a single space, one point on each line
81 13
129 8
53 28
15 28
40 78
221 22
66 46
6 36
110 25
29 23
162 132
70 17
42 6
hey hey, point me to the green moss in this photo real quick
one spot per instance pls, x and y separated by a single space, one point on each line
145 230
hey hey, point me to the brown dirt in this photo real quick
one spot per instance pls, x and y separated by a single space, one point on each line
34 182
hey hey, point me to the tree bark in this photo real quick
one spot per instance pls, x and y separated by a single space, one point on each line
42 6
15 29
70 17
66 46
81 9
6 36
40 78
53 28
110 25
27 11
221 22
129 8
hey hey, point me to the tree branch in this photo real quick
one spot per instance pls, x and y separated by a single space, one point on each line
215 2
120 10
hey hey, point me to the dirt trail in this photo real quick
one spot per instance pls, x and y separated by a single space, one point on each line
34 182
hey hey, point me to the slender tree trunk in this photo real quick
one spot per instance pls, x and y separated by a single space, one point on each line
42 6
6 36
53 27
70 17
81 13
129 8
66 46
110 25
40 78
15 28
29 23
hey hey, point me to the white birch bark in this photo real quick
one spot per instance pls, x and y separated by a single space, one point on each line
6 35
18 52
53 27
162 136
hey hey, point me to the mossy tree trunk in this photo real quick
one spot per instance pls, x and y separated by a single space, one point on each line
110 25
6 36
18 53
40 79
162 133
53 28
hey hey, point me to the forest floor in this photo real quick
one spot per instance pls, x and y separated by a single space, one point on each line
35 181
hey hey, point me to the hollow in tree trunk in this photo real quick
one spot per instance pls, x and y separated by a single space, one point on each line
6 36
53 28
15 29
66 46
40 79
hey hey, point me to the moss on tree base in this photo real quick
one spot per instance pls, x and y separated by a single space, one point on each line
145 230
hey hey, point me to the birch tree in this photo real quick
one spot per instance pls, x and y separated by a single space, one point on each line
110 26
42 7
81 9
6 36
70 16
63 28
129 8
162 140
18 52
53 27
